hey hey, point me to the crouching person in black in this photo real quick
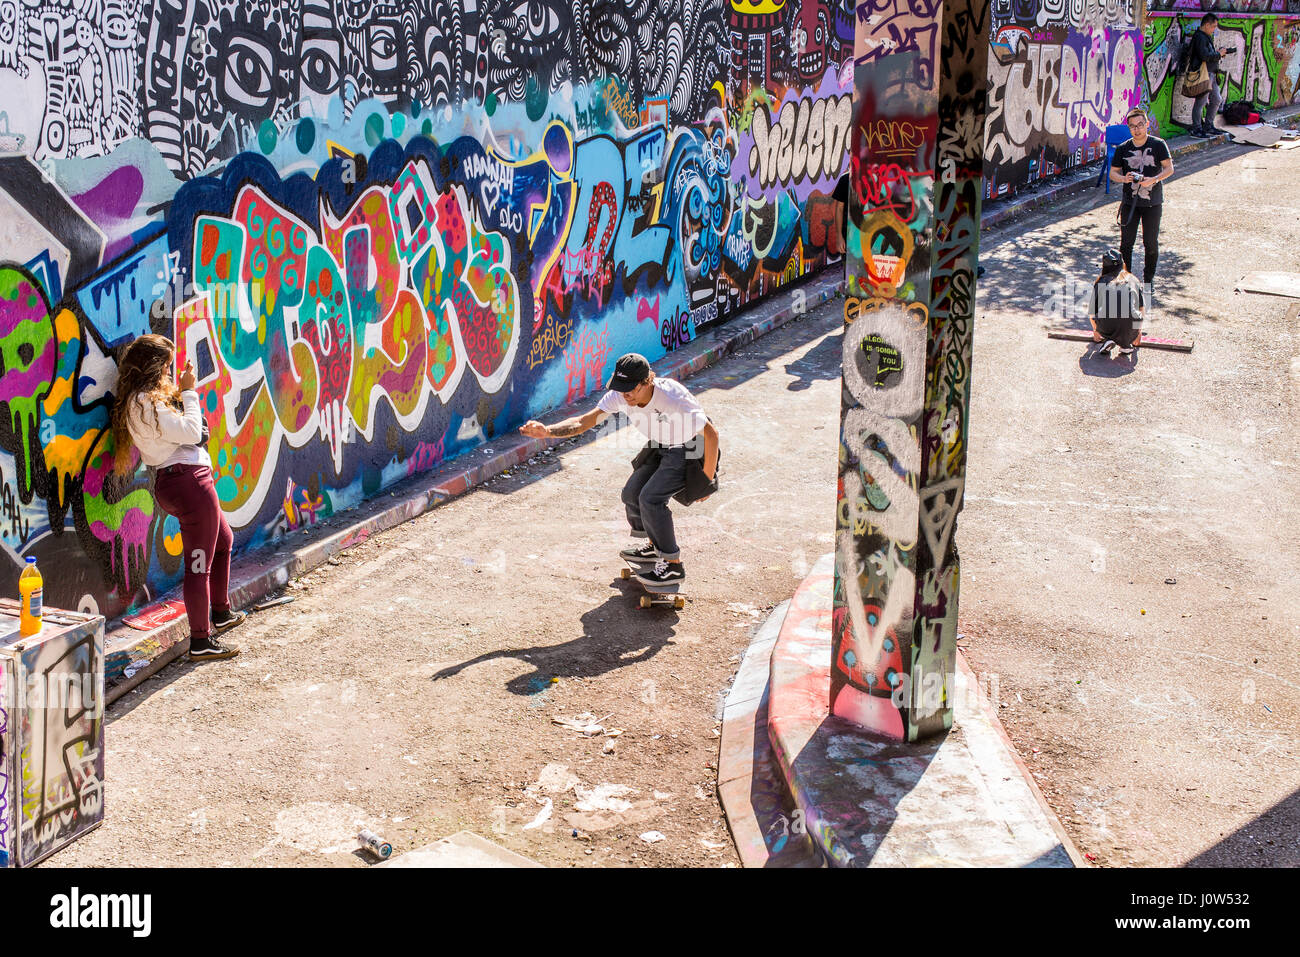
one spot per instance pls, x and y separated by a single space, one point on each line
1116 308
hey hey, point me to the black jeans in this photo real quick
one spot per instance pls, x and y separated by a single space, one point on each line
1149 218
1118 331
646 496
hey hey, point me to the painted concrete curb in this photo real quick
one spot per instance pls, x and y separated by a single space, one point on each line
759 810
132 655
1077 181
963 800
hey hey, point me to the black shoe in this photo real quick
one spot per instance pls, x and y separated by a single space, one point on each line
1106 347
225 620
1126 350
641 553
209 649
664 573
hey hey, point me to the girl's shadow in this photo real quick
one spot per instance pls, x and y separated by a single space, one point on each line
1090 363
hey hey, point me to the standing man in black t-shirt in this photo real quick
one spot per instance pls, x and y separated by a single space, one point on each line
1141 164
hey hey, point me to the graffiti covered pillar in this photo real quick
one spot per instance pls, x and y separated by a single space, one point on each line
918 140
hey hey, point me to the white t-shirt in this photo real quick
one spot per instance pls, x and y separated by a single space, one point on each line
671 417
165 436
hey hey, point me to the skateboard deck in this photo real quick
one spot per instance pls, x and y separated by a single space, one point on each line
655 594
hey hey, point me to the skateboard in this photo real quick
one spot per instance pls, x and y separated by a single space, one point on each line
655 594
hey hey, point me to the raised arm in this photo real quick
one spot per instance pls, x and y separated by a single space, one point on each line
563 430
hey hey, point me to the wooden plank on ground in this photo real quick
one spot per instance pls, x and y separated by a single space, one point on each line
1152 342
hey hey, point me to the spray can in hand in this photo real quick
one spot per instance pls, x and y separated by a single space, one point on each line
30 588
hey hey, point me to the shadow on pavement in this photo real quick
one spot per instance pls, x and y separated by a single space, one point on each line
820 362
1267 841
600 649
1058 287
1107 368
861 814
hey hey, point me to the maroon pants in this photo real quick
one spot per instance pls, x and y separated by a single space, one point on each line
187 492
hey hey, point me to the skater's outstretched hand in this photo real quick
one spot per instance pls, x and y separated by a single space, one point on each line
534 429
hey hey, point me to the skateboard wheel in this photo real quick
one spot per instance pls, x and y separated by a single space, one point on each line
646 601
679 603
625 574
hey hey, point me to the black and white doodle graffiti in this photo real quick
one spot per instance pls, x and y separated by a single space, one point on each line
199 77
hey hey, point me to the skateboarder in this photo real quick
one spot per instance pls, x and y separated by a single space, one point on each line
680 460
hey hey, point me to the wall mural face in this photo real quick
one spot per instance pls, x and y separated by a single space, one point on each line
1263 66
384 232
1059 74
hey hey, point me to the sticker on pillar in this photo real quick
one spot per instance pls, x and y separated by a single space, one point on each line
886 251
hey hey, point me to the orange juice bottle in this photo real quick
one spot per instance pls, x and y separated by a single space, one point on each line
30 585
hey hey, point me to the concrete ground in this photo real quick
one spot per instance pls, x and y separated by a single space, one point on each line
1098 490
411 687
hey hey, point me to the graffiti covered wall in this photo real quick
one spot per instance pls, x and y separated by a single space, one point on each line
1059 73
1263 64
384 232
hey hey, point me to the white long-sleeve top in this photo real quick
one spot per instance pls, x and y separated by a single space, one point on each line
165 436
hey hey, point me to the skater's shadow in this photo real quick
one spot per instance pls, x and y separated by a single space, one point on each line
1106 368
614 635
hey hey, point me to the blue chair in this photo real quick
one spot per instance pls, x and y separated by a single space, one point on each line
1116 134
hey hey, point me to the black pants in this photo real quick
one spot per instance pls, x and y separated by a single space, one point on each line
646 496
1118 331
1149 218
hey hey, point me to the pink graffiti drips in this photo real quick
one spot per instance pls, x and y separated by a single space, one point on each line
133 538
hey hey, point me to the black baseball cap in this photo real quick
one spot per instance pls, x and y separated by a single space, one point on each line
629 372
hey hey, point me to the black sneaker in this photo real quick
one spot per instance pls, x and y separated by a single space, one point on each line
209 649
640 553
1106 347
664 573
225 620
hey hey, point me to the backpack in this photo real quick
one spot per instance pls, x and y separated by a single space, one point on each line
1238 113
1118 298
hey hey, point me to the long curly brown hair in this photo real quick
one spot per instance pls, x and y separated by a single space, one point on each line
146 368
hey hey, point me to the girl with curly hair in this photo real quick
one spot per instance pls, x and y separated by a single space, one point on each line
165 424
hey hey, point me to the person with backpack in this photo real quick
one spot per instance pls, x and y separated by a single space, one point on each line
1141 164
1204 52
1116 308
